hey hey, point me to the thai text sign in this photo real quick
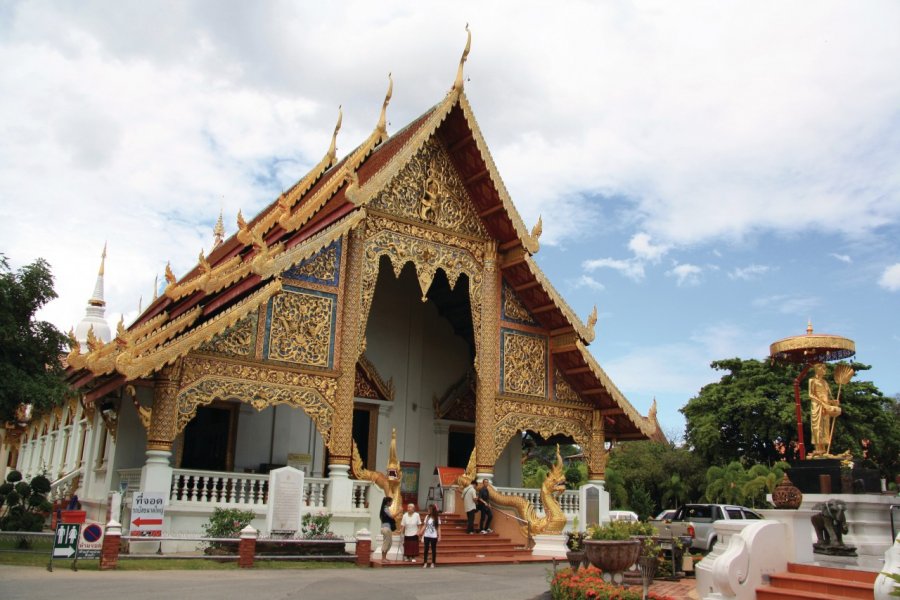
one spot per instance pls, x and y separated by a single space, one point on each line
147 513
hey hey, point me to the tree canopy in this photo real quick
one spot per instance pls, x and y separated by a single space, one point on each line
30 368
749 416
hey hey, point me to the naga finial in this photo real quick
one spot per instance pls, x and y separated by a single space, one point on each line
538 228
332 150
74 346
120 327
458 84
204 264
93 342
382 119
592 318
170 276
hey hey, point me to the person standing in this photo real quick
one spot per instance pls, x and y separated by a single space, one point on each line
431 534
410 525
484 505
470 506
388 524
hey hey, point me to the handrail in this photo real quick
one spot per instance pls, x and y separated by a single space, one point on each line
527 523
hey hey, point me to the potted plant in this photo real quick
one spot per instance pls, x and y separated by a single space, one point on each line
575 545
611 549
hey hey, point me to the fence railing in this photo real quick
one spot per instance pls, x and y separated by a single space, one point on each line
65 485
193 487
569 501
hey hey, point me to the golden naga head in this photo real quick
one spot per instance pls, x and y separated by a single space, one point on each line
393 466
555 482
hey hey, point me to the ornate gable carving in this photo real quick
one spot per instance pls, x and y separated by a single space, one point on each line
428 190
524 363
301 327
514 310
237 340
323 267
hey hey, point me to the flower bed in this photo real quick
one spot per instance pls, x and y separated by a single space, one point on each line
587 584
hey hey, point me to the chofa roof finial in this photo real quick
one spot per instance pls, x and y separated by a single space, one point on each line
458 84
382 120
332 150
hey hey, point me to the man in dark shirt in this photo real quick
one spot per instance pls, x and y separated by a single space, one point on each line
484 505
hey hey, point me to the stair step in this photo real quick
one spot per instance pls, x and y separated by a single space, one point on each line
462 561
768 592
834 572
822 585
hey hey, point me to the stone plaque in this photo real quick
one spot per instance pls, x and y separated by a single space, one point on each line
285 498
592 513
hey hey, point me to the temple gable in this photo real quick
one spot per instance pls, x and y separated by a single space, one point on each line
428 190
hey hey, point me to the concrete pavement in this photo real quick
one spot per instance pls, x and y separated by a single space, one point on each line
498 582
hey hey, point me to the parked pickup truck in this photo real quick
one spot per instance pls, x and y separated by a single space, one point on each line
696 521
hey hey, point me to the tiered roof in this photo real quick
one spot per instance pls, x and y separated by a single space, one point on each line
243 272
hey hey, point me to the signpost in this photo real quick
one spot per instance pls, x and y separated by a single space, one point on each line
147 512
90 542
65 543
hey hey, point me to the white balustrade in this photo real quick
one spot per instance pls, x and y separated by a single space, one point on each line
314 490
360 499
568 500
215 487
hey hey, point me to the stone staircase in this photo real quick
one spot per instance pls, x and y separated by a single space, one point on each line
459 548
814 582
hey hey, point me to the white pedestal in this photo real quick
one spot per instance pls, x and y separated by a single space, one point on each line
156 476
799 532
549 545
593 504
340 489
868 519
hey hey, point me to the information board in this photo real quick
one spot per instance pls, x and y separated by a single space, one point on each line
147 513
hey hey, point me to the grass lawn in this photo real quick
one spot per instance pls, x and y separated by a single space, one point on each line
162 564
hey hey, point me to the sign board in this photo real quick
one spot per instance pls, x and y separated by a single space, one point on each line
409 482
299 461
65 543
147 513
90 542
285 498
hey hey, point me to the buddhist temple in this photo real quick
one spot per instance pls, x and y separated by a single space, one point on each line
393 289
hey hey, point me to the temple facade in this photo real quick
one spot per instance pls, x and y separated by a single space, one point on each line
393 289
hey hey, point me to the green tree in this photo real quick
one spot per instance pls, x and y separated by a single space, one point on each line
23 504
749 415
761 480
30 369
652 464
615 485
641 502
675 491
726 484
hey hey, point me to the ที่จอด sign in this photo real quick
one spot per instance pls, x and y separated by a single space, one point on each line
147 513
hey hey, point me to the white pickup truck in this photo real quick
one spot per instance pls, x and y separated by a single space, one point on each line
696 521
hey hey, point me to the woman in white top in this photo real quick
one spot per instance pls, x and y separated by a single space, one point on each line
431 533
410 525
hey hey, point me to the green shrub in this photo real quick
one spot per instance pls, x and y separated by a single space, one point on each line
317 527
227 522
619 530
24 505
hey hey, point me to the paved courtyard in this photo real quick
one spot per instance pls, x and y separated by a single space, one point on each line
524 582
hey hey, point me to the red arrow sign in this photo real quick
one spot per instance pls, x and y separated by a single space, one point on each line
141 522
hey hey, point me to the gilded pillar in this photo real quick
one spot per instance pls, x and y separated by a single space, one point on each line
597 452
351 336
161 432
487 363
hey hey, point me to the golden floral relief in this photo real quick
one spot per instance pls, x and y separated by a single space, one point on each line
301 328
524 364
321 268
513 309
237 340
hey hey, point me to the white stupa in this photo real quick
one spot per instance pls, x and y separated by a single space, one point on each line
94 314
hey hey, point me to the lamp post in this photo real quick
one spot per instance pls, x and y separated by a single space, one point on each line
808 350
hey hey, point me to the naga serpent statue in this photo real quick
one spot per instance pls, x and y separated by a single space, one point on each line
390 483
553 521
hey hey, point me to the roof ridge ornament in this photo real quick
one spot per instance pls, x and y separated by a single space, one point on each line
460 81
332 150
538 228
381 128
219 231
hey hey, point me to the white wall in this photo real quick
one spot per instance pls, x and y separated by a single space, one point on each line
294 433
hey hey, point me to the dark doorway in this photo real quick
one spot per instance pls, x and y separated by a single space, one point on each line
207 439
365 430
460 446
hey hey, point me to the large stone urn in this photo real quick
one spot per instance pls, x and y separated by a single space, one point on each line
612 557
786 495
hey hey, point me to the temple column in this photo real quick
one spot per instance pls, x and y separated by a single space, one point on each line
594 499
487 365
156 476
340 488
598 455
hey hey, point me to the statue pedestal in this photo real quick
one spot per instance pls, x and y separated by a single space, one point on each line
868 520
550 545
799 535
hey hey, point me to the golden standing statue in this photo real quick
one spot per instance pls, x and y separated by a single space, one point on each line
824 408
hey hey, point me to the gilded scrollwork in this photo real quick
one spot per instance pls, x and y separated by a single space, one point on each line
302 328
546 420
204 380
428 189
563 392
513 309
524 363
322 268
237 340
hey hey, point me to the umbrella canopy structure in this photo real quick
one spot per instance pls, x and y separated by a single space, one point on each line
808 350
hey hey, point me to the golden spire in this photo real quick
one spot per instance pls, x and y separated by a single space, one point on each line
155 287
102 260
332 150
219 231
809 328
458 84
382 120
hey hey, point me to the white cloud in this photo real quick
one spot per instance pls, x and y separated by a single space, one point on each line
749 272
890 279
645 249
586 281
632 269
686 274
844 258
789 304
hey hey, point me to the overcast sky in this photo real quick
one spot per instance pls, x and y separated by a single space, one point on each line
710 174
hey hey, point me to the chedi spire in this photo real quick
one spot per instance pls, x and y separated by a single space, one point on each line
95 312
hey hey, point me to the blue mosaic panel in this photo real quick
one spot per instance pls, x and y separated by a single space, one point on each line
324 267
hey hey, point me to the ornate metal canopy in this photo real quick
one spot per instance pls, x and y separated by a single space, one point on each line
812 348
